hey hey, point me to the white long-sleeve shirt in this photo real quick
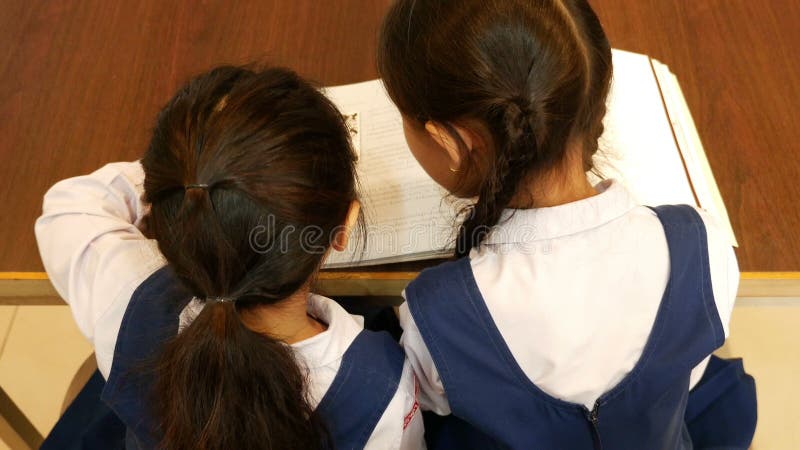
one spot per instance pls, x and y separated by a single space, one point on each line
96 257
574 290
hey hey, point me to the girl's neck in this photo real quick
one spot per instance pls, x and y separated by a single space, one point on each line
566 183
288 320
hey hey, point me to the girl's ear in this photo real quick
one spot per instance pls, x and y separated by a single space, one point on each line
442 136
343 234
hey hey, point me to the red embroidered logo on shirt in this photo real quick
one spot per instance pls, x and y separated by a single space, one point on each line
410 415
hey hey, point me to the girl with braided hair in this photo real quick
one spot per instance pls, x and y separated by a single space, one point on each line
572 317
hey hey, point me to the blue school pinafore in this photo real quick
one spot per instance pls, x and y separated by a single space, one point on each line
366 382
495 405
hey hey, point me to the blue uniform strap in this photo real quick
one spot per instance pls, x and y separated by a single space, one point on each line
459 331
366 382
687 240
148 323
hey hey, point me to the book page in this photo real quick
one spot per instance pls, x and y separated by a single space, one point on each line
694 156
638 147
408 215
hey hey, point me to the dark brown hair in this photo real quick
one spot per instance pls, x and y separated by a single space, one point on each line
536 73
267 152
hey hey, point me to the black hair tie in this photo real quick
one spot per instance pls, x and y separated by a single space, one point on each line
195 186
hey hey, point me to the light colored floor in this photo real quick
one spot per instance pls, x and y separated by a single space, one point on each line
766 334
41 349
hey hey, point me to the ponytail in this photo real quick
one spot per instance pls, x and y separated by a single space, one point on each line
223 386
239 154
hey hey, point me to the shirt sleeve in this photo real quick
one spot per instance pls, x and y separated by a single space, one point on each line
93 252
400 427
413 427
432 396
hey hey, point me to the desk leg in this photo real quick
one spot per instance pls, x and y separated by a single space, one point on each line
15 429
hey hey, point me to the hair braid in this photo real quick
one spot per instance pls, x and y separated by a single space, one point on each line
512 162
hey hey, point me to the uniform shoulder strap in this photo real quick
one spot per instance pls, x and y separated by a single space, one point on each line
459 332
690 298
150 320
366 382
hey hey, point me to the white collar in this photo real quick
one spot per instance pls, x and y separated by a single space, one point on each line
330 345
316 351
527 225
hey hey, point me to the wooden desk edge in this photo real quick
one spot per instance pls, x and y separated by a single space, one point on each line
34 288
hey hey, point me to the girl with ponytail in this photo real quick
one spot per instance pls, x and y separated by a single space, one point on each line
573 317
191 274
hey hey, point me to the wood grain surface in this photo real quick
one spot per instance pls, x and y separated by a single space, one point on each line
81 82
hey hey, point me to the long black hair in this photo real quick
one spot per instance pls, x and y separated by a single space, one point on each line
535 72
238 151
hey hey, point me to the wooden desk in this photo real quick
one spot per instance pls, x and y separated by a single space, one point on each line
739 66
82 81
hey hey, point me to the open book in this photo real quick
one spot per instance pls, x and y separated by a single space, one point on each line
650 144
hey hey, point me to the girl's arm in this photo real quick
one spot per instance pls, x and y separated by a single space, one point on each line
93 251
413 428
431 390
405 430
